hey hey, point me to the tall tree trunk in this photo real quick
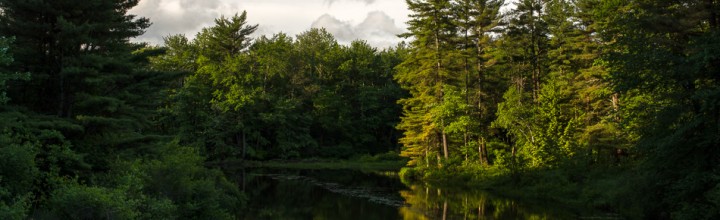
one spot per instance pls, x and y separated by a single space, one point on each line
437 157
438 145
616 106
482 155
445 145
534 53
467 103
441 94
480 73
467 77
482 148
445 208
427 157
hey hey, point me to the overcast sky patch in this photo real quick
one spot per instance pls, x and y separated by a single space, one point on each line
378 29
330 2
374 21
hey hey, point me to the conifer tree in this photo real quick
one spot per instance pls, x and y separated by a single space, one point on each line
528 31
427 74
477 20
85 71
74 51
576 63
525 46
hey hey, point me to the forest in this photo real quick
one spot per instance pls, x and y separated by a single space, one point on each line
610 104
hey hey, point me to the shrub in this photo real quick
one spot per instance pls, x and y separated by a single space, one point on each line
197 191
74 201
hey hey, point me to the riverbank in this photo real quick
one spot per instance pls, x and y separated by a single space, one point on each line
606 191
593 191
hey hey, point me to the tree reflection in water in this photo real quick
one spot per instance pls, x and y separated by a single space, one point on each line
346 194
424 202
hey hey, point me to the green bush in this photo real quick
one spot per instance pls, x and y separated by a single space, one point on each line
16 209
180 177
74 201
17 168
171 185
17 175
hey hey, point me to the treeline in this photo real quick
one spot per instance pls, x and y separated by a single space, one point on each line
585 87
93 126
278 97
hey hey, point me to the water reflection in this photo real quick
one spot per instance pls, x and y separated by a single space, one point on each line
318 194
344 194
423 202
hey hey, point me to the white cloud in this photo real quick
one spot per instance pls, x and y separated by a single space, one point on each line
330 2
378 29
372 20
175 17
342 31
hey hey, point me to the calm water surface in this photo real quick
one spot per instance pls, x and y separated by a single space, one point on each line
346 194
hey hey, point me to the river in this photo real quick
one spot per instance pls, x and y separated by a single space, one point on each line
350 194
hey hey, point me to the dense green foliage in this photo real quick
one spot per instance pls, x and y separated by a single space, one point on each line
580 89
615 104
79 135
279 97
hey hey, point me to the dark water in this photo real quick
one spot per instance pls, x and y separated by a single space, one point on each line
346 194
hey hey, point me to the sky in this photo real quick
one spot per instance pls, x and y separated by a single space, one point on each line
376 21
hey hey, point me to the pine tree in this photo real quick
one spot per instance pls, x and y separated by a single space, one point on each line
576 62
477 20
85 71
525 46
528 32
426 74
72 50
